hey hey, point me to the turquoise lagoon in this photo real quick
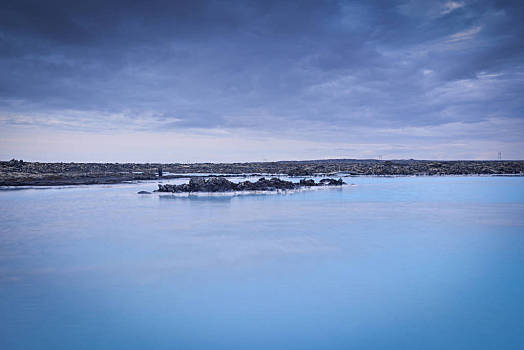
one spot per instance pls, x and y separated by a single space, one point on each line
388 263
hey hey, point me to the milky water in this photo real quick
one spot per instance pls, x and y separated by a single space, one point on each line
390 263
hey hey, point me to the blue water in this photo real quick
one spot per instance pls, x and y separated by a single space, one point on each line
390 263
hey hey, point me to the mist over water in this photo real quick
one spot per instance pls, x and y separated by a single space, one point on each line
391 263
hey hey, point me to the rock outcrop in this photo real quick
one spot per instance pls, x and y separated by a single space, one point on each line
220 184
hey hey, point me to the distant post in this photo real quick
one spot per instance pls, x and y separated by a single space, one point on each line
159 171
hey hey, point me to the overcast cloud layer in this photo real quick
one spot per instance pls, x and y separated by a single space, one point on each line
254 80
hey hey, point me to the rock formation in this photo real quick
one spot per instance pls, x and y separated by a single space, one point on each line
220 184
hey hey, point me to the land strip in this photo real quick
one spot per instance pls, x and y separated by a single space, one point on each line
20 173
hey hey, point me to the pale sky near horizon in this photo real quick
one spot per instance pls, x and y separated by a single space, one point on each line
194 81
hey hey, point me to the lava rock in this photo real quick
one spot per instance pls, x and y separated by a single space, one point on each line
309 182
331 182
220 184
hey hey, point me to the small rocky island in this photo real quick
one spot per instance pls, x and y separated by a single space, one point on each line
220 184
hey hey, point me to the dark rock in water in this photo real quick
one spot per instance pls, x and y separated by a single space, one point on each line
264 184
309 182
213 184
220 184
144 192
331 182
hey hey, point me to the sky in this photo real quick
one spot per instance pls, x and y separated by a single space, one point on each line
227 81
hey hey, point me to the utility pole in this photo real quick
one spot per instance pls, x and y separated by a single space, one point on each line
500 155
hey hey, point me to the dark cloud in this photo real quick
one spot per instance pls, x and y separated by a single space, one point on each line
254 64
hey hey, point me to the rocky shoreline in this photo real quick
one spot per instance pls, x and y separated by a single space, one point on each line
220 184
20 173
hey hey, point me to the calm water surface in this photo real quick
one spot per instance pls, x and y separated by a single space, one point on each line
391 263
